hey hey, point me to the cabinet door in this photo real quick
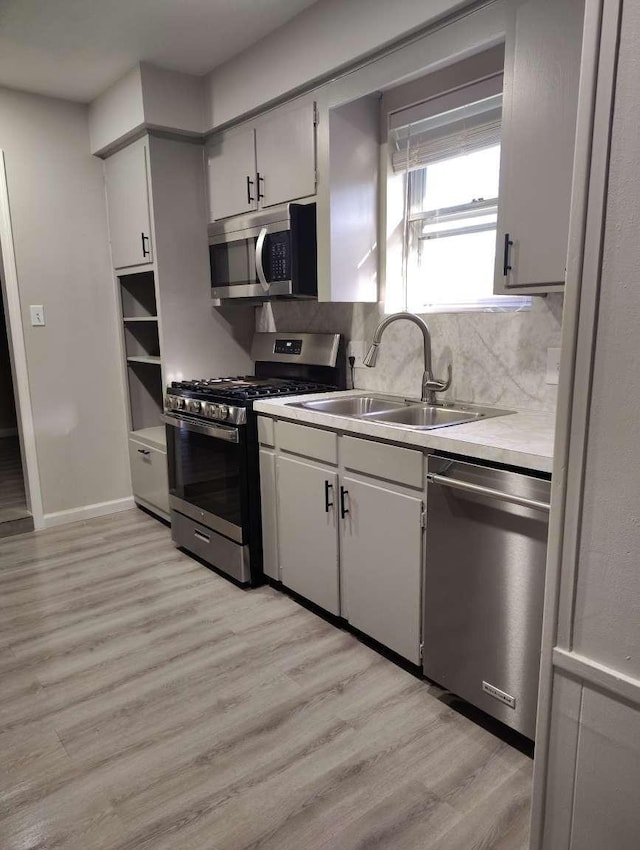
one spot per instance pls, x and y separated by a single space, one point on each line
128 206
381 565
286 155
269 514
149 475
231 174
542 70
307 531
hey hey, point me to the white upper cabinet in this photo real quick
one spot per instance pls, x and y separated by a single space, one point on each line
126 174
270 161
231 174
542 69
286 155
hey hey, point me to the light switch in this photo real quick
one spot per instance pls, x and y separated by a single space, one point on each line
37 315
553 365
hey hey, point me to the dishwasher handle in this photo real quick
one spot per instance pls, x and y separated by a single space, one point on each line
478 490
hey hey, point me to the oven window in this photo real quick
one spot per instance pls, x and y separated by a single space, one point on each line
233 263
207 474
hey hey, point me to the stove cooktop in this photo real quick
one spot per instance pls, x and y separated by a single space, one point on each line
246 388
228 399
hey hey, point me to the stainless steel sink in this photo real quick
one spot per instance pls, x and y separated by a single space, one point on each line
404 413
424 417
357 406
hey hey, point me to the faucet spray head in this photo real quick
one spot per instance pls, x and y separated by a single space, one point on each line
372 355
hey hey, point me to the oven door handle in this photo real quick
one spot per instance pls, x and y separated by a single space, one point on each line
219 432
264 283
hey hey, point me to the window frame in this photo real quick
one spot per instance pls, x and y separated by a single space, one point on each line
464 95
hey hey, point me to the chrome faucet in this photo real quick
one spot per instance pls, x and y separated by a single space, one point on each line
430 385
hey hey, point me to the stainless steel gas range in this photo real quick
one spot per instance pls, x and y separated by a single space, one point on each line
212 447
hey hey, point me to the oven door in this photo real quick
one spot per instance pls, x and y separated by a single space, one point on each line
207 474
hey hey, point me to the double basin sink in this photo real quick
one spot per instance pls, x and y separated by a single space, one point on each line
392 410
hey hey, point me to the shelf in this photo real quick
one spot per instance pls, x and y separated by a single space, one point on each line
153 360
156 436
140 319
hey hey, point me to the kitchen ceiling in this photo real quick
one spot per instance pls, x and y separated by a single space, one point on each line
76 48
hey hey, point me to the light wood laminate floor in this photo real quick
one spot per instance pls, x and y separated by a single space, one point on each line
147 703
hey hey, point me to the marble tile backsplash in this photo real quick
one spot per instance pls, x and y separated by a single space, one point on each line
497 358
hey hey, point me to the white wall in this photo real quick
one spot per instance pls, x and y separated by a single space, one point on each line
172 100
328 35
118 112
58 210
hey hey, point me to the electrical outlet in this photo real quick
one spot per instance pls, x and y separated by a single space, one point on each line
37 315
553 365
358 349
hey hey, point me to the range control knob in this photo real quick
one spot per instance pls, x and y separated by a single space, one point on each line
194 405
210 410
168 402
223 411
179 403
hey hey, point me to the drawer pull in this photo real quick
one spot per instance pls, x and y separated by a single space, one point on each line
200 536
144 452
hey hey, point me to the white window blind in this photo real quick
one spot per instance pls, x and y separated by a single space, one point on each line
461 131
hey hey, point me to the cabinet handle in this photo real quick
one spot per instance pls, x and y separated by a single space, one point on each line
344 510
145 250
260 180
250 200
327 504
144 452
506 265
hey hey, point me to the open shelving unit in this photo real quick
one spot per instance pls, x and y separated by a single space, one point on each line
141 336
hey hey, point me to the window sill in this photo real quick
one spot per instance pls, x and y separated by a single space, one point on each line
512 305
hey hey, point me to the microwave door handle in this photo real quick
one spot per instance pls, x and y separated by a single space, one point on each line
259 266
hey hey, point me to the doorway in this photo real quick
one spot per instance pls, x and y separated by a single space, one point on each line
20 496
14 514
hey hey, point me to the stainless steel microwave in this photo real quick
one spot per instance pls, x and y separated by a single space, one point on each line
273 255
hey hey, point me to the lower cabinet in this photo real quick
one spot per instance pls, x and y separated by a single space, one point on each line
350 542
308 532
381 564
149 477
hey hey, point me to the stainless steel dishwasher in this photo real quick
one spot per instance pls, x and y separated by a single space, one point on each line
484 586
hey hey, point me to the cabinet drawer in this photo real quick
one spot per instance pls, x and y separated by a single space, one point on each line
393 463
266 431
149 475
307 441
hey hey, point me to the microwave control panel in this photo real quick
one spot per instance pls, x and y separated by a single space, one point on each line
279 262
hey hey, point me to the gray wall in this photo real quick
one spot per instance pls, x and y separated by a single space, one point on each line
593 776
316 42
7 404
58 210
497 358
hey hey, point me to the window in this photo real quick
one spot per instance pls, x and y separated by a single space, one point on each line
445 165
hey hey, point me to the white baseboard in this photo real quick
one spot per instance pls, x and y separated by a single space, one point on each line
8 432
88 512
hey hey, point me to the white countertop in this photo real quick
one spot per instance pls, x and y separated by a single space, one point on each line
519 439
